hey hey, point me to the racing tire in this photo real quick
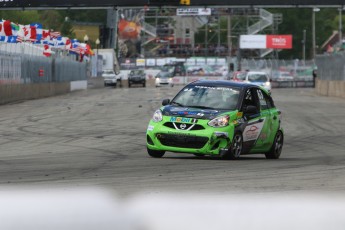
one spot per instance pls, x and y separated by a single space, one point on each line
155 153
277 146
235 149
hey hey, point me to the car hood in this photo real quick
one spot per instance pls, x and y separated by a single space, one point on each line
260 83
190 112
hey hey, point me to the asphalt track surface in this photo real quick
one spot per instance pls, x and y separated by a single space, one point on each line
97 138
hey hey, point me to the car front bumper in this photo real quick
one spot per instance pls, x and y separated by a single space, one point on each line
200 139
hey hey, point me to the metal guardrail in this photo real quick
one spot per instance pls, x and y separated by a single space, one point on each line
27 69
331 67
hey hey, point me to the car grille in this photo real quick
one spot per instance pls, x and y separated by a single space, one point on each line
182 141
188 126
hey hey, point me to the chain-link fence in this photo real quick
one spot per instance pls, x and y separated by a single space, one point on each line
298 69
26 69
331 67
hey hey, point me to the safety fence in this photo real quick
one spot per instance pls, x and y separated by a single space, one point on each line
28 69
331 67
300 70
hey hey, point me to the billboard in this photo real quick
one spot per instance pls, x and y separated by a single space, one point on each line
279 41
112 3
266 41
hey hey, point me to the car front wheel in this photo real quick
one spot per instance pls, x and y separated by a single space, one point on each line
155 153
277 146
236 148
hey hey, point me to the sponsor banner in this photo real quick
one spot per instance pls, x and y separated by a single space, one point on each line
150 62
186 80
161 62
193 11
140 62
253 41
266 41
279 42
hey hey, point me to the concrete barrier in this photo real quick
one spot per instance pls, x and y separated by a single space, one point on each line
78 85
330 88
20 92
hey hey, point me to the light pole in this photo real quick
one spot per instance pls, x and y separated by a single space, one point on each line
86 38
313 28
97 44
341 27
304 41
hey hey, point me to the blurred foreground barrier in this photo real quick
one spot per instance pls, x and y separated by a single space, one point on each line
330 88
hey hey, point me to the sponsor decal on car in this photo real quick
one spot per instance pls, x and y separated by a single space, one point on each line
150 128
183 120
181 134
253 130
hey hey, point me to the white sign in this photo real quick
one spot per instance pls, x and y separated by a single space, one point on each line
253 42
161 62
193 11
150 62
140 62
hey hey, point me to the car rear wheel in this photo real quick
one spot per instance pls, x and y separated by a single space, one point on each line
277 146
155 153
144 84
129 85
236 148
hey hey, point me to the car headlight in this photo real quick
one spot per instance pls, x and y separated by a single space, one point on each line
221 121
157 116
267 83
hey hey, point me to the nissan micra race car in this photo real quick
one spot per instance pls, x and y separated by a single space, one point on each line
218 118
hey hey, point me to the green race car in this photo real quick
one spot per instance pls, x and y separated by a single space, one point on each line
218 118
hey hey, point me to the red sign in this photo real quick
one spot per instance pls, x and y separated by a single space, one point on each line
279 42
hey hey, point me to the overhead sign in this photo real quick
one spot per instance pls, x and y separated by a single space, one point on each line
112 3
266 42
253 41
193 11
279 42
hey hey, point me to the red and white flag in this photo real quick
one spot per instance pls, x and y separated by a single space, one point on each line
5 28
47 51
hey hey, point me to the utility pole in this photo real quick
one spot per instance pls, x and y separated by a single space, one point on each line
304 41
341 27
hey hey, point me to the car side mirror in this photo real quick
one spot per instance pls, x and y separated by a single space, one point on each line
165 102
251 109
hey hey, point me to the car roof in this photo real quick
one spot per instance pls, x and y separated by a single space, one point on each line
256 72
223 83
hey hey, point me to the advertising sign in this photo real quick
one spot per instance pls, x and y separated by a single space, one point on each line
266 41
253 42
279 42
193 11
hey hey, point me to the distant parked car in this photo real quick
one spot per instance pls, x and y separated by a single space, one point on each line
238 76
137 77
282 76
258 78
164 78
111 78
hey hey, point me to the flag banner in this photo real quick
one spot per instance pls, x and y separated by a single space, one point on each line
8 39
34 33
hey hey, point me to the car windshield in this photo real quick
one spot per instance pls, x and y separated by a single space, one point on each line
164 74
108 72
240 75
136 72
208 97
257 77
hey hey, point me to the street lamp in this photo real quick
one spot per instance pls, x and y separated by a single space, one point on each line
86 38
97 44
313 21
341 27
